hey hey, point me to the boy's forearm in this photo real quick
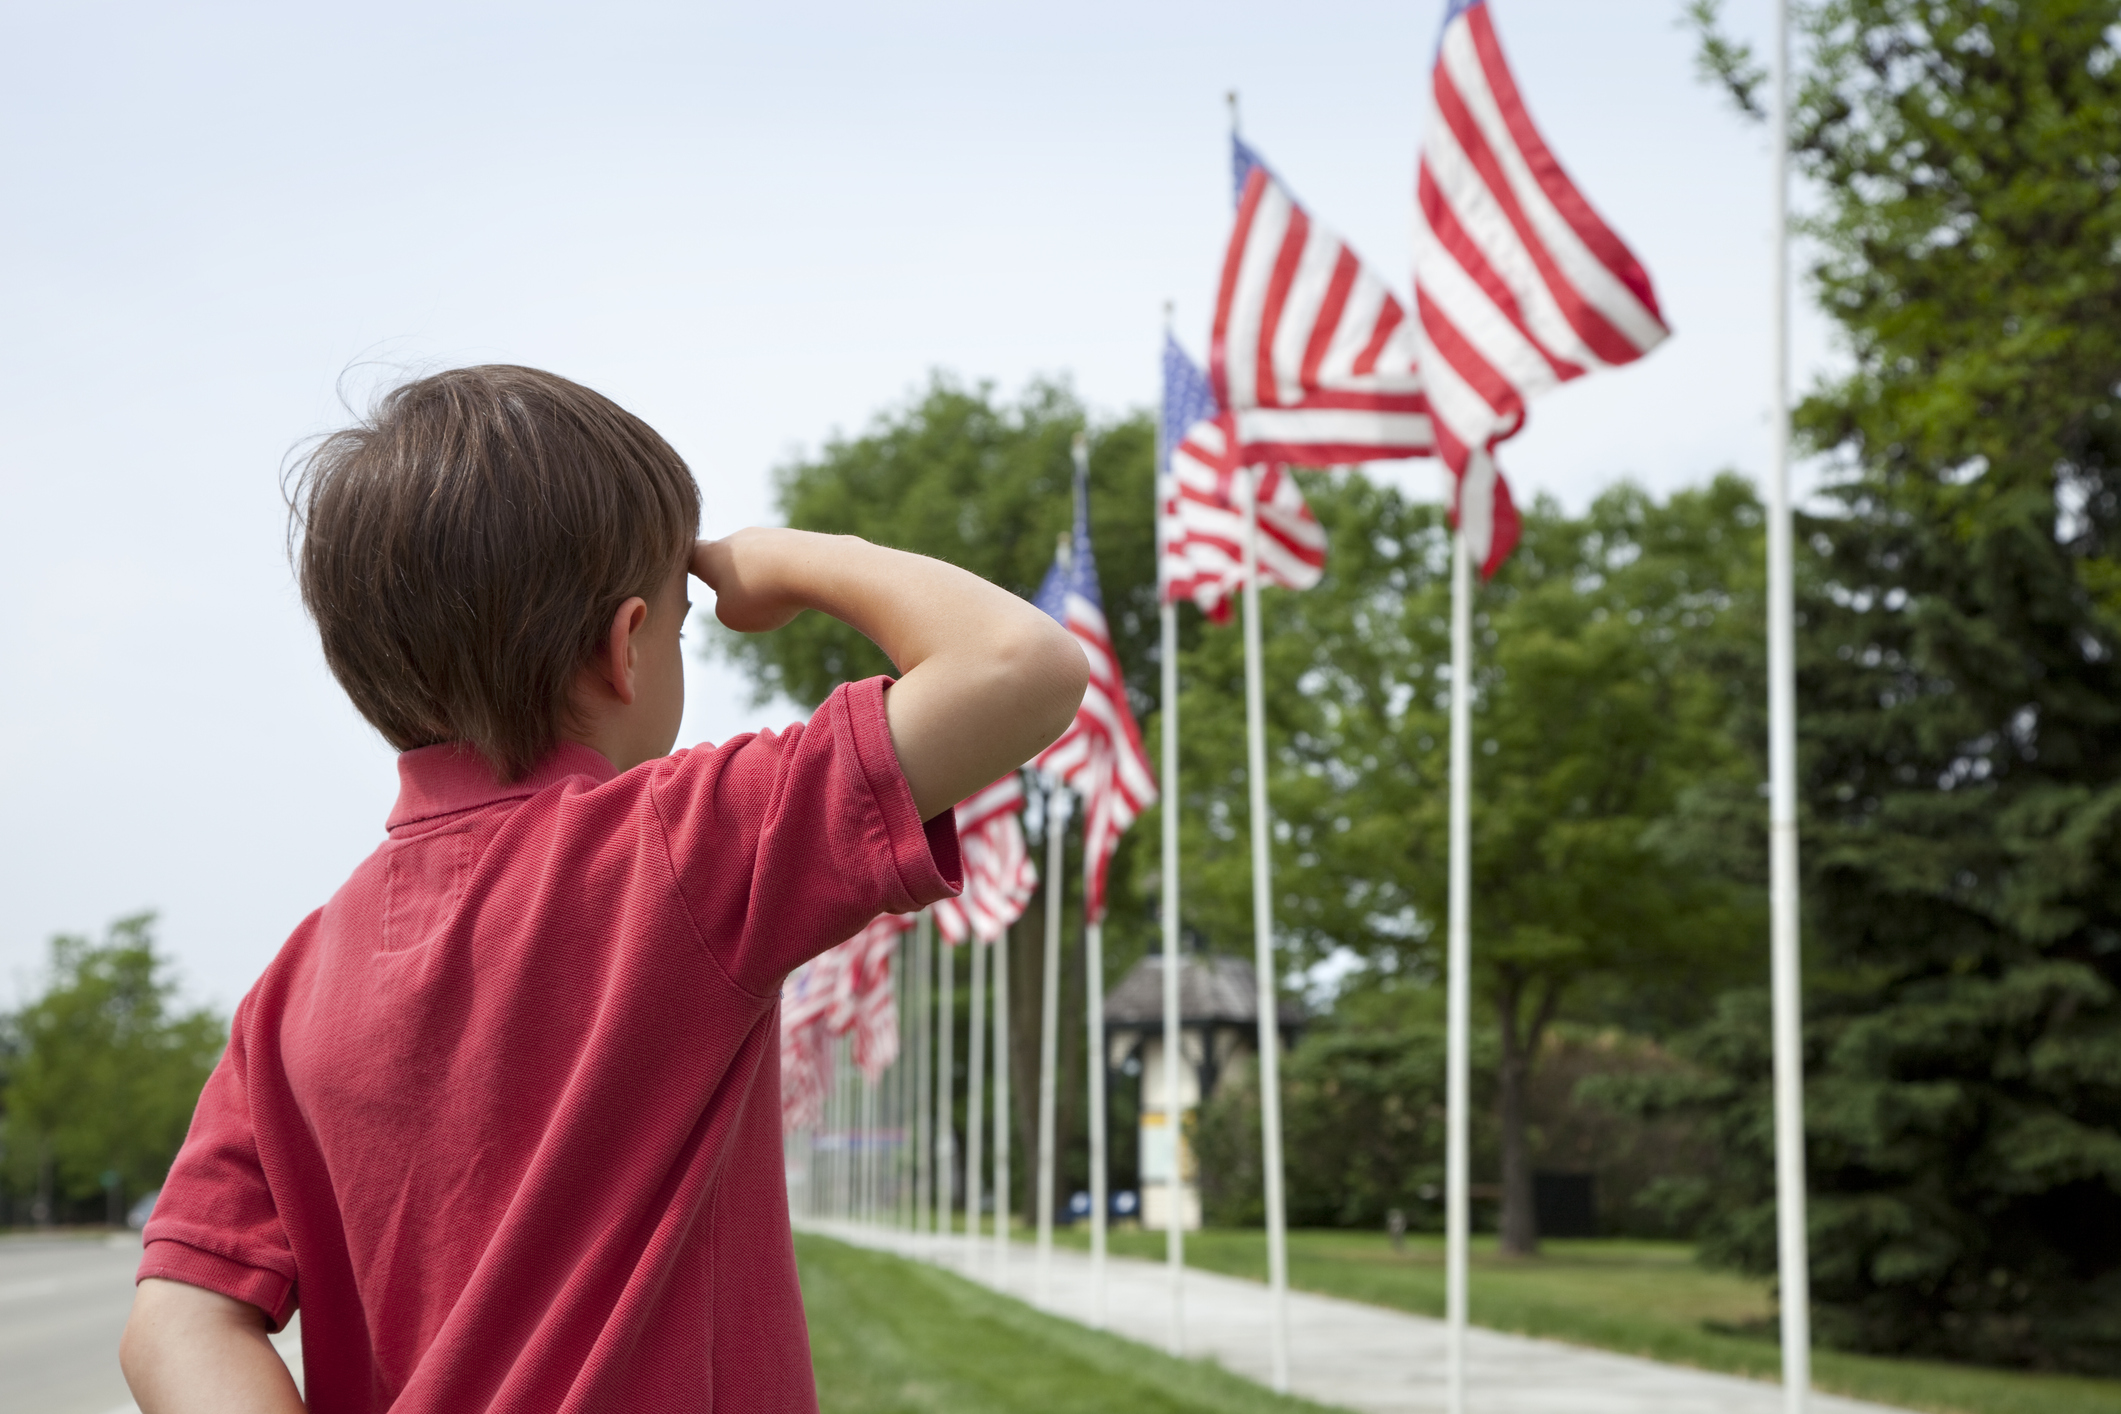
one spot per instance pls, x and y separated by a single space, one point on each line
987 680
187 1350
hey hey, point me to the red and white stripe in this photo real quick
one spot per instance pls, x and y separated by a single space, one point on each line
999 875
1310 350
1100 756
1201 524
875 1012
806 1053
846 988
1518 285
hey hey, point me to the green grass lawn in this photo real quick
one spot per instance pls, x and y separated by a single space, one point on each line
1642 1298
889 1336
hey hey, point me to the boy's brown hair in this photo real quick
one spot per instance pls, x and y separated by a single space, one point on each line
464 548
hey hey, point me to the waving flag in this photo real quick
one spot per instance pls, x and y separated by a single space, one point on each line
1100 755
1200 522
1310 351
870 1006
845 988
806 1058
1518 286
999 875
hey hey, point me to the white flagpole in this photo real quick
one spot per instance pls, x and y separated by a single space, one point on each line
1002 1115
868 1169
1094 994
945 1082
1167 622
1786 988
840 1127
1094 1006
923 1067
902 1072
1049 1029
1459 984
1174 1231
975 1101
1263 951
828 1180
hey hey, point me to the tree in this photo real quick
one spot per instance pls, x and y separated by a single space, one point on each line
1595 716
1960 696
102 1089
984 485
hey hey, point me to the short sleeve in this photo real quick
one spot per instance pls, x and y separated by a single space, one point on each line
784 844
215 1224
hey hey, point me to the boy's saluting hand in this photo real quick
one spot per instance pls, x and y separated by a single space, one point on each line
986 679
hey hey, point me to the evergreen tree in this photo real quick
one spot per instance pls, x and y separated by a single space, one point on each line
1960 711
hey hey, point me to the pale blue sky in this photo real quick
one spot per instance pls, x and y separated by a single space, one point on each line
751 225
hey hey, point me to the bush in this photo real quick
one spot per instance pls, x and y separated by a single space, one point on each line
1363 1126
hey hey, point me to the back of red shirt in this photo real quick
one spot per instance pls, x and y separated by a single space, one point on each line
503 1116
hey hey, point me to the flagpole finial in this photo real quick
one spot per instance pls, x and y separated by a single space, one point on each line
1231 98
1168 308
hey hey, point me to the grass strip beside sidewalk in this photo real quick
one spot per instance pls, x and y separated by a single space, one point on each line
1637 1298
892 1336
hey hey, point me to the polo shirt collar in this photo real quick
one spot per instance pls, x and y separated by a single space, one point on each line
453 777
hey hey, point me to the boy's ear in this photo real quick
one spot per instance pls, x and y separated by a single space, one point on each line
618 659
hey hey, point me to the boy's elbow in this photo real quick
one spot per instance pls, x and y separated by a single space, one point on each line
141 1346
1061 674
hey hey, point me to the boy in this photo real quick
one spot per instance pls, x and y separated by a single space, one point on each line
502 1117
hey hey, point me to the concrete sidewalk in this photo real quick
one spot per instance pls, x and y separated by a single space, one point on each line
1344 1353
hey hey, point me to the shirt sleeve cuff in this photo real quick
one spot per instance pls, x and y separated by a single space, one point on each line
269 1291
925 854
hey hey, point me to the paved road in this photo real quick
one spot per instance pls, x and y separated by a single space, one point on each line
63 1302
1358 1357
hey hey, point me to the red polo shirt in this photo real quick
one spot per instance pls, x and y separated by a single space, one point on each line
503 1117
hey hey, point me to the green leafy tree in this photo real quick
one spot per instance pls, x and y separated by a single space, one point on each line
1594 716
101 1090
959 475
1960 695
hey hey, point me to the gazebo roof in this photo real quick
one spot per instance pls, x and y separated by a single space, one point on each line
1211 990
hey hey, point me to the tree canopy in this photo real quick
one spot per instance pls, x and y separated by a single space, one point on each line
959 475
106 1071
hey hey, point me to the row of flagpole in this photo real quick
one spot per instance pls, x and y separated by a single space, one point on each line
933 1171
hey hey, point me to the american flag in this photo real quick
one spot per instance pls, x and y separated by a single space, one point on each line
1517 283
1309 351
999 875
1100 755
845 988
806 1055
1200 523
866 1004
